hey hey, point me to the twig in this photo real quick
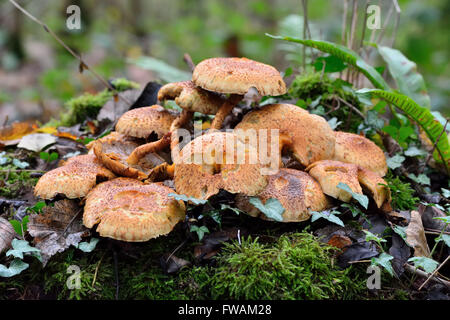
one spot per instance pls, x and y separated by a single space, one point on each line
116 273
304 35
344 23
386 22
176 249
434 273
187 58
83 64
68 225
423 274
434 231
21 170
96 270
397 22
351 106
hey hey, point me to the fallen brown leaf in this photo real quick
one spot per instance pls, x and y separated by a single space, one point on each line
7 234
415 236
57 228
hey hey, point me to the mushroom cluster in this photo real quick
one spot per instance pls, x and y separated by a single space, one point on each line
121 179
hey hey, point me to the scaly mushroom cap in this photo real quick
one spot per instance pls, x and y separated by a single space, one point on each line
74 179
113 151
353 148
373 184
129 210
329 173
142 122
297 191
207 165
190 97
311 137
237 76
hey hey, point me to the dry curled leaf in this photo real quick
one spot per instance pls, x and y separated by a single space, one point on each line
57 228
7 234
11 135
415 236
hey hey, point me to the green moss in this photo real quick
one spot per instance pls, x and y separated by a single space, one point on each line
13 182
88 105
297 266
402 193
310 86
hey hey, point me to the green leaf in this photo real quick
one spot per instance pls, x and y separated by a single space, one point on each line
164 71
422 116
401 231
445 219
334 123
44 155
327 215
186 198
362 199
19 225
404 72
227 207
427 264
37 208
200 231
445 193
384 260
16 267
20 247
445 238
421 178
273 208
343 53
88 246
332 64
413 151
20 164
395 162
373 237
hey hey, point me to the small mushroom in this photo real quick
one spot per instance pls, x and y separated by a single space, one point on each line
210 162
297 192
353 148
236 76
129 210
113 150
142 122
74 179
309 137
329 173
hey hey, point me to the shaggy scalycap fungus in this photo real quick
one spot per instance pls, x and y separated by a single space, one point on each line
311 137
353 148
205 179
191 98
297 192
237 76
142 122
113 151
329 173
74 179
129 210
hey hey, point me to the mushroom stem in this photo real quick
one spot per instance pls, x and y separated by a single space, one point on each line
162 143
179 122
147 148
224 110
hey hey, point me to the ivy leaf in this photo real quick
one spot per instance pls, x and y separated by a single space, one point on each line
445 193
384 260
362 199
200 231
224 207
445 238
16 267
330 216
37 208
445 219
20 225
395 162
20 164
334 123
20 247
420 179
413 151
427 264
401 231
88 246
186 198
373 237
273 208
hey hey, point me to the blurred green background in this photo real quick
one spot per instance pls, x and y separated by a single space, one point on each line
37 75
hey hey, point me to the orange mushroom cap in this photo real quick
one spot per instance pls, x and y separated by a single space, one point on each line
74 179
129 210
